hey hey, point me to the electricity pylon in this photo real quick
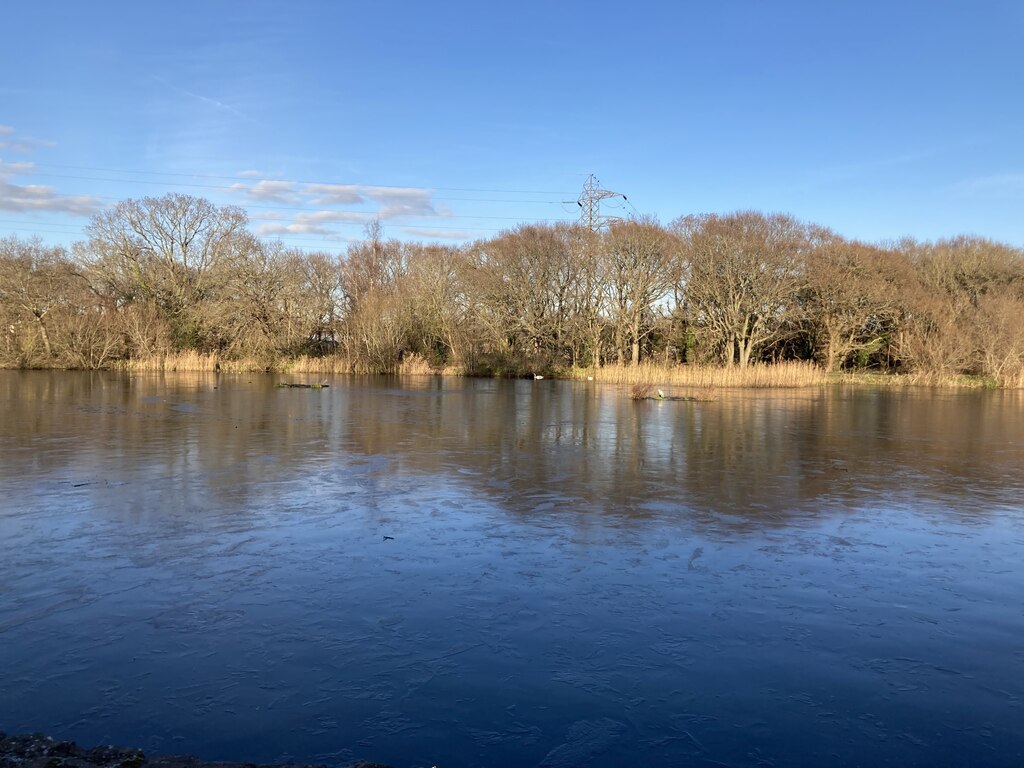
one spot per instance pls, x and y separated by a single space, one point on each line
590 204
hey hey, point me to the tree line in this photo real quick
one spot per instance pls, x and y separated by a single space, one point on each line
160 276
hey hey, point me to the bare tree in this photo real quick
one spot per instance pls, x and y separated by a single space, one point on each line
34 280
853 296
375 320
167 250
641 257
741 277
322 293
443 323
524 281
963 317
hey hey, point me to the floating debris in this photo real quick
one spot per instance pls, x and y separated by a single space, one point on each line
650 392
301 386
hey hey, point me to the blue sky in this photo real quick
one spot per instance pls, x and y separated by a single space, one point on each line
454 120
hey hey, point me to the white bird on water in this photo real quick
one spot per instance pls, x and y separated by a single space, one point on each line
661 395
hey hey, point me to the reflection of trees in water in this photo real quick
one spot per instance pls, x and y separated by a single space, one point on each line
746 459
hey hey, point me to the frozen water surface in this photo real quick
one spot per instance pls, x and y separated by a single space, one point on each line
480 573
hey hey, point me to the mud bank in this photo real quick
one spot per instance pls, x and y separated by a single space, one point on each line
39 751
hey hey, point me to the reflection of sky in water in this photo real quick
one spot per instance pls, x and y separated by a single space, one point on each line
573 578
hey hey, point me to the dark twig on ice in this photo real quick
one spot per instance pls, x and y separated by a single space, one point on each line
301 386
389 538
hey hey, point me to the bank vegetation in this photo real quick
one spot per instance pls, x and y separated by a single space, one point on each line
177 281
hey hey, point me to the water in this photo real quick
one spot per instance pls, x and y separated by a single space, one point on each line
480 573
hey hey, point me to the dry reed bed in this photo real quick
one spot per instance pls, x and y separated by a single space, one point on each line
790 374
701 377
328 365
1014 380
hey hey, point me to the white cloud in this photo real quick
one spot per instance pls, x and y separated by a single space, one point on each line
391 202
273 191
15 169
251 174
402 201
384 194
343 216
314 223
409 208
270 191
6 130
35 197
335 194
293 229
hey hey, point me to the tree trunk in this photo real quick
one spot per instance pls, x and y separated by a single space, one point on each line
635 348
44 334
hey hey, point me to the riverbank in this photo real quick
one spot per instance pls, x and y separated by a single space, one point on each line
784 375
38 751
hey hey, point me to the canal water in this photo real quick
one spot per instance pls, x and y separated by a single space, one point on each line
455 573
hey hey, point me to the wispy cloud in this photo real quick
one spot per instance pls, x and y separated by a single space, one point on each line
270 191
38 198
335 194
402 201
21 144
208 100
16 169
1000 184
314 223
321 217
274 228
26 144
29 198
340 204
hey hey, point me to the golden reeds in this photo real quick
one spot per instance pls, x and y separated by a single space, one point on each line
1013 380
788 374
411 365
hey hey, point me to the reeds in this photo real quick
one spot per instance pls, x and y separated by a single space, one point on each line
789 374
188 361
701 377
1012 380
410 365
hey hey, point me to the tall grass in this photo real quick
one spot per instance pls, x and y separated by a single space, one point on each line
778 375
189 361
1013 380
788 374
411 365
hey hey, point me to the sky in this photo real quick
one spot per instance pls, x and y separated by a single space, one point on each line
450 121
